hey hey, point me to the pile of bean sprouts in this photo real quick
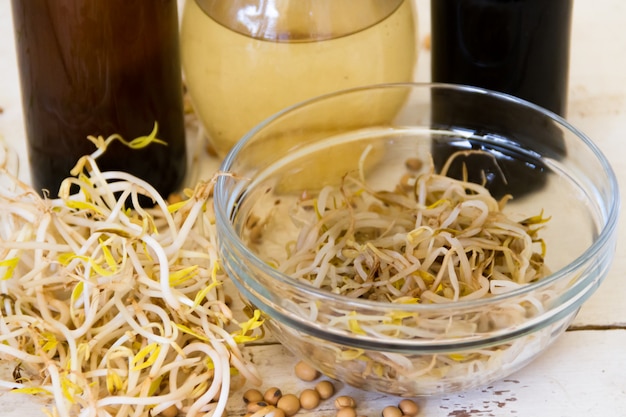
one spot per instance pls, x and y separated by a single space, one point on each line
431 240
113 311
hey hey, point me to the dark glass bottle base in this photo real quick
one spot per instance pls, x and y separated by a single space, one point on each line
503 142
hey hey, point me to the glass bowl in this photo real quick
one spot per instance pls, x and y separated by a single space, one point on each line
303 162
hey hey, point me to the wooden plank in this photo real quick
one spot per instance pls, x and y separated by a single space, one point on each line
597 106
581 375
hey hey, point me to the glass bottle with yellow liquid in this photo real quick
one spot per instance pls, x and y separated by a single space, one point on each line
245 60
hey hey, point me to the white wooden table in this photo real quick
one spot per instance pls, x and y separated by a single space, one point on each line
584 373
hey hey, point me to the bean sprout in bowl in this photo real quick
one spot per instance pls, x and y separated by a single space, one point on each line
416 239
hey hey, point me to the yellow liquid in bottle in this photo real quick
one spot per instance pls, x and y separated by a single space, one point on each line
236 81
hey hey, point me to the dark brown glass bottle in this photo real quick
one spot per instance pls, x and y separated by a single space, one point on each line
99 67
519 47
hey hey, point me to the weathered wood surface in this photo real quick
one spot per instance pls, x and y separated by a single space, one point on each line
583 373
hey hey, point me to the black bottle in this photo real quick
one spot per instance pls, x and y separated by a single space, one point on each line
518 47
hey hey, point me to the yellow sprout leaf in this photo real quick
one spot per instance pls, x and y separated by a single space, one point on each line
147 223
143 141
199 389
176 206
140 142
181 276
406 300
202 293
70 390
108 256
378 369
155 385
438 203
254 322
318 215
146 252
426 276
354 324
114 382
191 332
115 231
77 292
83 205
351 354
417 235
66 258
85 190
151 352
214 283
10 265
538 219
242 339
48 341
84 351
398 284
32 391
397 317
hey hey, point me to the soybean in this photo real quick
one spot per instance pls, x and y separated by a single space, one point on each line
252 396
272 395
306 372
326 389
346 412
344 401
409 408
256 406
414 164
391 411
289 403
309 399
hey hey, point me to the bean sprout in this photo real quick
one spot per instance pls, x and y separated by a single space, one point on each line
113 311
438 240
